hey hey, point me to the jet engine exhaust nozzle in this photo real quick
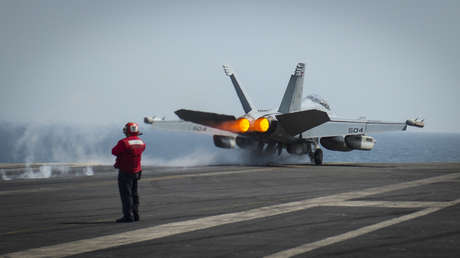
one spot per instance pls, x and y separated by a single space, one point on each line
261 125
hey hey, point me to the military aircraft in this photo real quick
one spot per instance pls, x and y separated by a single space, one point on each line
298 130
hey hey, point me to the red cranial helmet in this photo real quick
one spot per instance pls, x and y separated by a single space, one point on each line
131 129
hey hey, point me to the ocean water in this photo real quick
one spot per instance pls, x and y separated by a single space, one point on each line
64 144
405 147
179 149
45 143
400 147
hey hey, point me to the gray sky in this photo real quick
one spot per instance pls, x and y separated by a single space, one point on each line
100 62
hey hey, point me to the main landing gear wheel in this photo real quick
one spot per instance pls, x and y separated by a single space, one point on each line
318 157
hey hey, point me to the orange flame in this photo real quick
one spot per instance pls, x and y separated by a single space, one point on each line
261 125
243 125
240 125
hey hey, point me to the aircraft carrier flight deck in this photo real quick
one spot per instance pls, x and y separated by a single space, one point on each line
335 210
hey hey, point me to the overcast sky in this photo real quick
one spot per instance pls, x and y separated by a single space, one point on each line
101 62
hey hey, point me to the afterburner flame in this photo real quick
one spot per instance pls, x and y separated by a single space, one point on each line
261 125
243 125
240 125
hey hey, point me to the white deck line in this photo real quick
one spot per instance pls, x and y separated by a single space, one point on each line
358 232
165 230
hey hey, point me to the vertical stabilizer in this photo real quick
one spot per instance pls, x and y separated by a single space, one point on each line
292 99
245 102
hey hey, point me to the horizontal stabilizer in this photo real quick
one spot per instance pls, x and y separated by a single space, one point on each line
298 122
203 118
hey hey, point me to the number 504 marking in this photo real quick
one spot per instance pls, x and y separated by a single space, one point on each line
356 130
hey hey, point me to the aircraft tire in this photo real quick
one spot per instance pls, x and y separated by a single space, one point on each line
318 157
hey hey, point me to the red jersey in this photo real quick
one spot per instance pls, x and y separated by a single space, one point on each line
129 151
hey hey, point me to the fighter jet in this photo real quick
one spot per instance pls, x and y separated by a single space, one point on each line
291 127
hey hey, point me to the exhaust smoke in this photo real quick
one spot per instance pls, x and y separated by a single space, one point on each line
45 171
48 151
56 146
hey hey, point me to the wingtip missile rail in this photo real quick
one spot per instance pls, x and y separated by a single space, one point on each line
150 120
416 122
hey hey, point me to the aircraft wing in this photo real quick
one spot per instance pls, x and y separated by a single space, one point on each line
195 121
183 126
341 127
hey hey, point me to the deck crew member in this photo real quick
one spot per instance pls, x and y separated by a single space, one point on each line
129 152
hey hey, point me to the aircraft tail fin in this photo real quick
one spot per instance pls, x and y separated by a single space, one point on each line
292 99
245 102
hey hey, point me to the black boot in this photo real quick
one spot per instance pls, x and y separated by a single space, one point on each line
124 220
136 216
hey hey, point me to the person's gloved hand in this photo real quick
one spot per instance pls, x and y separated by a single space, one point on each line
117 163
138 175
